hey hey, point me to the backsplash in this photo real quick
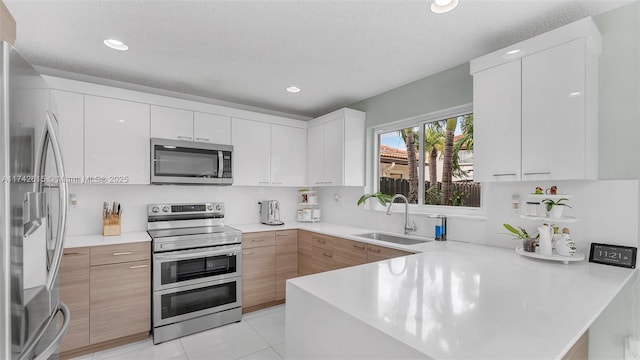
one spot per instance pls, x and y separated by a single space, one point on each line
608 212
241 203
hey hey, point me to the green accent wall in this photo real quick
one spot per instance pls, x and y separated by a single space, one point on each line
619 96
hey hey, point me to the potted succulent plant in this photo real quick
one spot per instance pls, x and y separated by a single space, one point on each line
528 242
555 208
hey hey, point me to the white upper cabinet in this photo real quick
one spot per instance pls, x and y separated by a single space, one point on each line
116 143
268 154
496 153
171 123
179 124
288 156
335 155
212 128
535 110
554 125
69 110
251 149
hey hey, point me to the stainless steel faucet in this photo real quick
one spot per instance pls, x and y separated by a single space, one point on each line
407 227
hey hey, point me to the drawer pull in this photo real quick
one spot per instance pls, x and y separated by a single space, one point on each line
257 240
361 247
327 255
185 137
504 174
247 252
122 253
321 241
374 250
282 235
202 139
74 253
538 173
138 266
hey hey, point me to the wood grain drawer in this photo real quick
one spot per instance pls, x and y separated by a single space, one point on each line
377 253
287 234
348 253
74 292
265 238
322 259
322 241
120 300
113 254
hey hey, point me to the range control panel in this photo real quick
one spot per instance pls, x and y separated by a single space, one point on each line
186 209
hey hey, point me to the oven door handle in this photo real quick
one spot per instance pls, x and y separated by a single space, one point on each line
196 255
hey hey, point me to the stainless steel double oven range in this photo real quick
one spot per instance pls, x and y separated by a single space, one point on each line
197 267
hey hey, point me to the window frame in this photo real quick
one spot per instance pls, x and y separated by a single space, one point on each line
420 121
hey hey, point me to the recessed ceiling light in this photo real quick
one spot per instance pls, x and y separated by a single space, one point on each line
121 121
575 94
116 44
443 6
293 89
513 52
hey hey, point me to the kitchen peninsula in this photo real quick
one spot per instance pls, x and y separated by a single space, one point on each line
455 300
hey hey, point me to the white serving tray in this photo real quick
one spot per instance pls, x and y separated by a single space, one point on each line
578 256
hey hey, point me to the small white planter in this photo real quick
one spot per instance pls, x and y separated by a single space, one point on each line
556 212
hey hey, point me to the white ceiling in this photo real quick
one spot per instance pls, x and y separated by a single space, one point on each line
248 52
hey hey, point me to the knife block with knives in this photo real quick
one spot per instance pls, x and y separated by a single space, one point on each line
111 219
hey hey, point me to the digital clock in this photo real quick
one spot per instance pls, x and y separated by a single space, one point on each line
616 255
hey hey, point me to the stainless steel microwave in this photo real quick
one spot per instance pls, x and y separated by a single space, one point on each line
188 162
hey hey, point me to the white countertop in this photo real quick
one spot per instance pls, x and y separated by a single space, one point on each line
466 301
97 240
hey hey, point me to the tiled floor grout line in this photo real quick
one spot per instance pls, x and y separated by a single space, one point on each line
258 333
184 350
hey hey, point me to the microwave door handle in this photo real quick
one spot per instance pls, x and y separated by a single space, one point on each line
62 194
220 163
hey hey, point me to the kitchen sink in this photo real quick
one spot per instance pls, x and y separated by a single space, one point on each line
393 238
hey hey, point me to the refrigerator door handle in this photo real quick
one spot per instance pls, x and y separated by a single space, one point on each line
53 346
50 135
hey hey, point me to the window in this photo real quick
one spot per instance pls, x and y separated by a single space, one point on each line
430 160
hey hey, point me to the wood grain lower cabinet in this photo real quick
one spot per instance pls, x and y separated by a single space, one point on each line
377 253
120 300
348 253
108 291
74 292
305 247
258 275
286 260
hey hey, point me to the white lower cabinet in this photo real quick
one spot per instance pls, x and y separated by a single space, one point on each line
69 110
116 140
268 154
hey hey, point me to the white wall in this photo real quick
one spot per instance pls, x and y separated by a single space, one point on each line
608 212
241 203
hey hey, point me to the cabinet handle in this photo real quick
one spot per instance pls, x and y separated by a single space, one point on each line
538 173
74 253
257 240
282 235
247 252
122 253
327 255
263 182
321 241
361 247
319 182
276 183
184 137
504 174
202 139
138 266
374 250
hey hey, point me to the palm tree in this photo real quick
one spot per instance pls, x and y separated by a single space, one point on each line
409 135
447 166
466 142
433 144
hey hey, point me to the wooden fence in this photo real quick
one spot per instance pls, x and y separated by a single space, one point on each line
471 190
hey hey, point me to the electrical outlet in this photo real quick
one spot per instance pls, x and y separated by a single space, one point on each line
631 348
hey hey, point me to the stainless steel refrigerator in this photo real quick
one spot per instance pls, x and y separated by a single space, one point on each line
33 200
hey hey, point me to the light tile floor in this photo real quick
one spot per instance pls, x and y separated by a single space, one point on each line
260 335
